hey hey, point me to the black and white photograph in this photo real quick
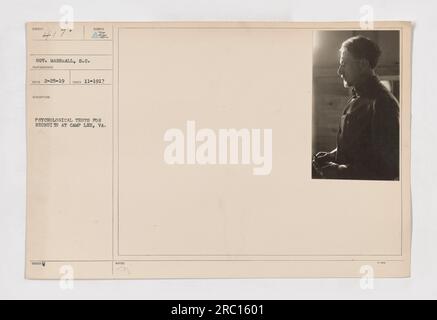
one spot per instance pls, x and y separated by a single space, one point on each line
356 127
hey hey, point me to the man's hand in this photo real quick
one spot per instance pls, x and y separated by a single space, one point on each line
322 158
333 170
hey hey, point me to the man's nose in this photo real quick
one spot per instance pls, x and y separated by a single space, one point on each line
340 71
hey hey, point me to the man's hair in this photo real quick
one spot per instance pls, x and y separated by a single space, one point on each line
363 48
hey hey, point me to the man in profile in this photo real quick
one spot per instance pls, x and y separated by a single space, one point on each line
368 135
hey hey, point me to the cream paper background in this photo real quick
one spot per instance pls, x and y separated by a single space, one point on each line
104 201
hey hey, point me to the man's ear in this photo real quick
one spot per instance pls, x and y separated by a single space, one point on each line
364 64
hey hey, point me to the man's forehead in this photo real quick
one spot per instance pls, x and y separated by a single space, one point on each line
345 54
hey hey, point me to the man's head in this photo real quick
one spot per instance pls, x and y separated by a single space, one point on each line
358 58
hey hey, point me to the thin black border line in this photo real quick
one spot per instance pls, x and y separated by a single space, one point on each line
54 40
72 84
248 27
118 141
259 28
52 69
70 54
206 260
260 255
401 118
112 123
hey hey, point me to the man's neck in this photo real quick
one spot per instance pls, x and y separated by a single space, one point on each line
363 83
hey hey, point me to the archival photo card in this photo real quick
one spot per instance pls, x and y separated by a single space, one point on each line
218 150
